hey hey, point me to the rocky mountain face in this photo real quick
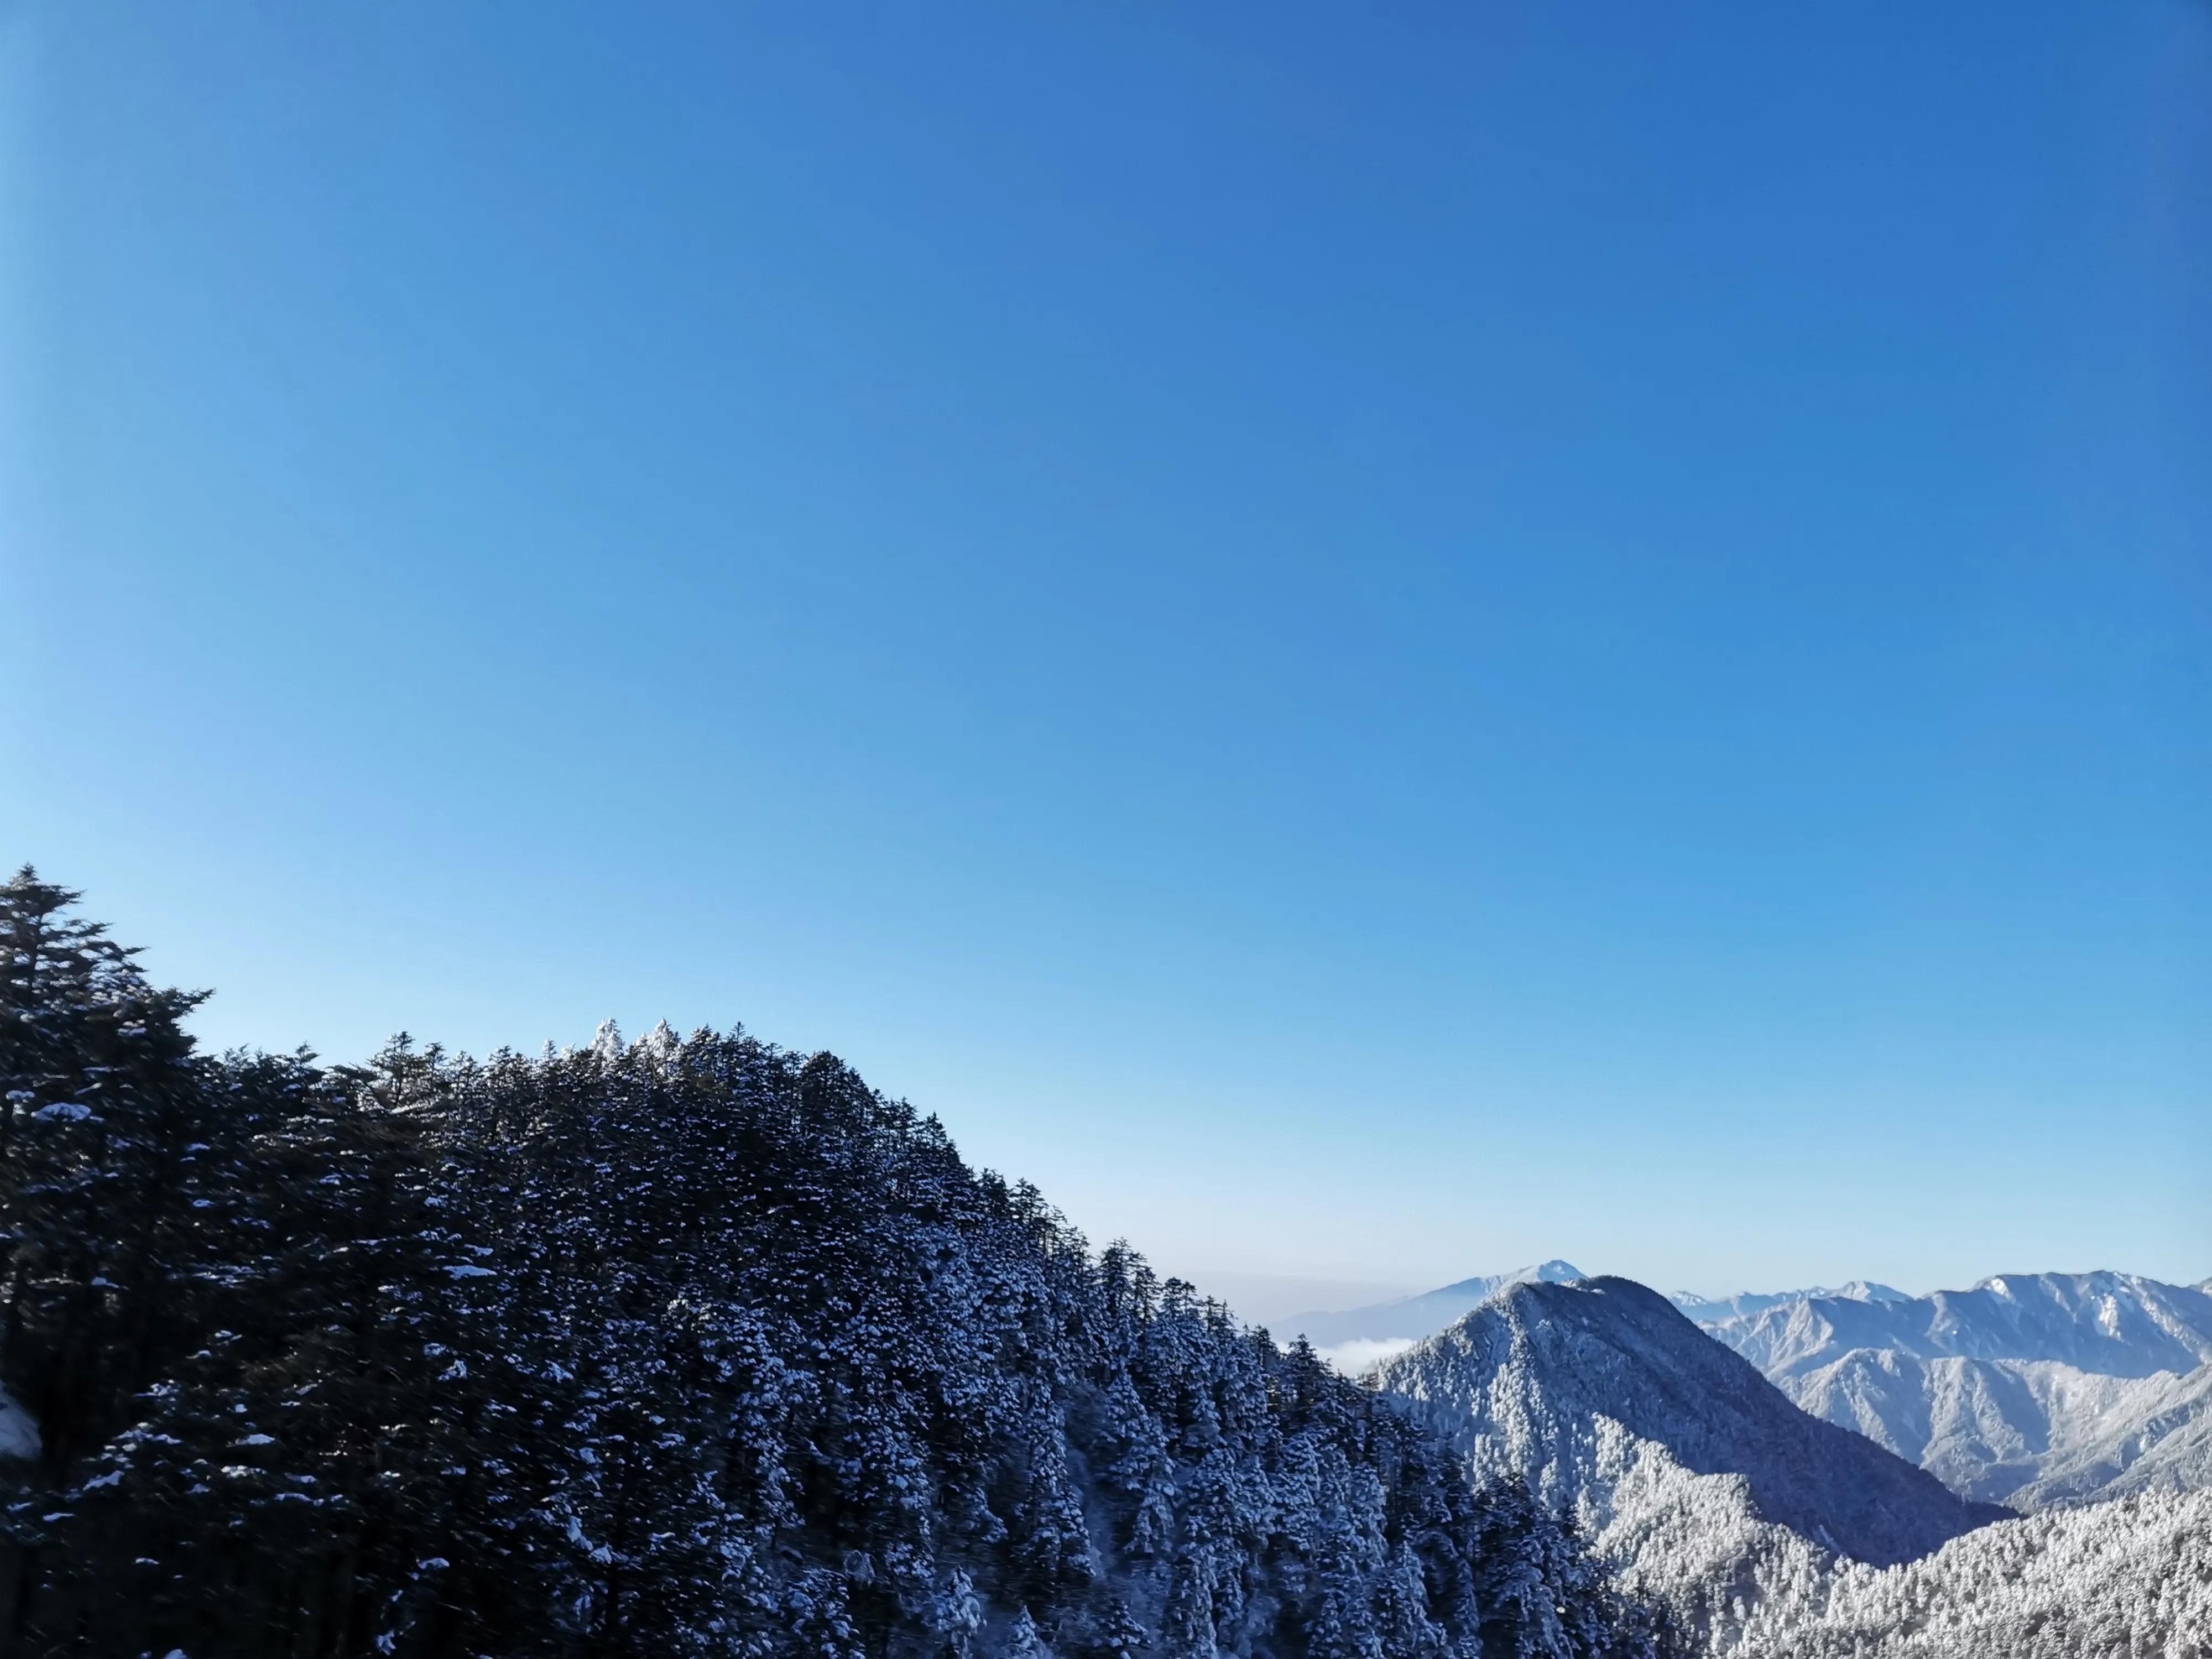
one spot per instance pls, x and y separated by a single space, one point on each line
2028 1388
1528 1379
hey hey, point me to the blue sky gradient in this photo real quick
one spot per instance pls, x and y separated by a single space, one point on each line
1372 647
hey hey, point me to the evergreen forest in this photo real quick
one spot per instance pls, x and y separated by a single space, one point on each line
688 1346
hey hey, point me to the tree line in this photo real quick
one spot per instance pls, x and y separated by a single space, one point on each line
688 1346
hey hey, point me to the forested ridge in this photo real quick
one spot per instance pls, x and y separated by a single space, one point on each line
679 1346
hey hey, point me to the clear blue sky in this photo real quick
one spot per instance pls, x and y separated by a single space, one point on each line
1374 642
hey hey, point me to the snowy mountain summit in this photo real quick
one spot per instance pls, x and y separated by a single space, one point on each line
1706 1309
1543 1381
1362 1335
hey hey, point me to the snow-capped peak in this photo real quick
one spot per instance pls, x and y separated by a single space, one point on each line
1527 1374
1356 1338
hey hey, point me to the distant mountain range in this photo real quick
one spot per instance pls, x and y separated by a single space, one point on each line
1703 1309
2115 1324
1408 1319
2028 1388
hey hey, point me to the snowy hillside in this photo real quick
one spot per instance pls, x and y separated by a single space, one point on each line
2158 1439
2129 1579
1526 1378
2027 1389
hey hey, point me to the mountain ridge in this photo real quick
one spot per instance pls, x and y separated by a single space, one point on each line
2026 1389
2113 1323
1526 1377
1409 1318
1702 1307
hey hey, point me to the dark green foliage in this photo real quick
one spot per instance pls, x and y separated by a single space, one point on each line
679 1347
